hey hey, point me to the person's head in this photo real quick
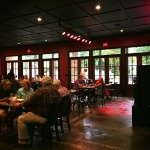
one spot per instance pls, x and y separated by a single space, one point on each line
12 78
47 80
26 84
32 78
56 83
85 69
11 70
6 84
100 79
37 75
21 77
25 76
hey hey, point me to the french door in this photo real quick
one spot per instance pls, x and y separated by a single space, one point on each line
30 68
132 62
77 65
51 68
108 68
14 66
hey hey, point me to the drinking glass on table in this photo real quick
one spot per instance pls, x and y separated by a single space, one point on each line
13 98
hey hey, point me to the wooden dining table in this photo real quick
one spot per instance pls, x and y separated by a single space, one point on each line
12 111
10 104
89 90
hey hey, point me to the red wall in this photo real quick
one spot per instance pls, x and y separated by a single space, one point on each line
63 48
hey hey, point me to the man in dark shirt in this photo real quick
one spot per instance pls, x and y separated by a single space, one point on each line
10 74
5 89
4 96
38 108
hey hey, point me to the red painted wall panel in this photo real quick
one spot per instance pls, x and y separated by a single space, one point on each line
63 48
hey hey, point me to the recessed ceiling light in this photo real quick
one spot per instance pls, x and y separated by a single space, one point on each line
45 40
18 43
121 30
39 19
98 7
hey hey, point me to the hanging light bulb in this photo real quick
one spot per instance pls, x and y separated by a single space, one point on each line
71 36
83 40
78 39
89 42
63 33
75 37
68 34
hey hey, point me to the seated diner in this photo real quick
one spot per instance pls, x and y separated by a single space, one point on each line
61 89
25 91
5 90
37 107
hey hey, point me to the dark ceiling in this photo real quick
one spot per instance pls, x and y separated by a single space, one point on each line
18 19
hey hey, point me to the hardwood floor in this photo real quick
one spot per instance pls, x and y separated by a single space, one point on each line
98 128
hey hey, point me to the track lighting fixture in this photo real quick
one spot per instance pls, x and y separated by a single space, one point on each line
74 36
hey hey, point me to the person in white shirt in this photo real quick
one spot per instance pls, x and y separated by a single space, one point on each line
62 90
38 78
83 74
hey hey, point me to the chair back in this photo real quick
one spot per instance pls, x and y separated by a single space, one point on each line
53 112
99 90
65 105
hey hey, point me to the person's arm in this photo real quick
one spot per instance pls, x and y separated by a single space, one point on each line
80 85
98 84
6 99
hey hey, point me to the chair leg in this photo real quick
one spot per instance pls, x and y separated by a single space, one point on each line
82 107
78 109
68 122
57 134
95 99
61 125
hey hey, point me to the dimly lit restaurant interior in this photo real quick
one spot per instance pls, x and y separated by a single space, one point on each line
75 74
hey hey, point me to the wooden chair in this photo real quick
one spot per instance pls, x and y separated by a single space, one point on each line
64 111
76 100
113 90
99 95
45 129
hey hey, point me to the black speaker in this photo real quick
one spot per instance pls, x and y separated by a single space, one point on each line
143 85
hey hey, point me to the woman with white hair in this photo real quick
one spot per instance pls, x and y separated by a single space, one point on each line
62 90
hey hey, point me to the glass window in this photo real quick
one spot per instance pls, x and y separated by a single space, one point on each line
35 69
52 55
51 66
132 69
30 57
145 60
79 54
55 69
26 68
141 49
8 67
77 65
12 63
99 68
11 58
46 68
103 52
114 70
